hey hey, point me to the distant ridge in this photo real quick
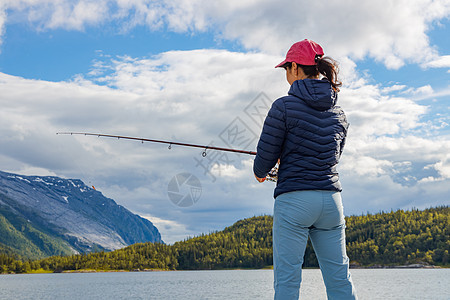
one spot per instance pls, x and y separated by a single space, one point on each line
45 216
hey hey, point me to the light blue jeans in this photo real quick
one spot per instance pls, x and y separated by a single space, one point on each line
319 215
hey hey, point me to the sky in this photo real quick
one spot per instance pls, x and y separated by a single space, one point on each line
203 72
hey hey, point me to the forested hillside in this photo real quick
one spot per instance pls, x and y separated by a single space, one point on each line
395 238
400 237
20 236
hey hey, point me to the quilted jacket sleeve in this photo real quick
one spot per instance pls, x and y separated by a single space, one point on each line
271 140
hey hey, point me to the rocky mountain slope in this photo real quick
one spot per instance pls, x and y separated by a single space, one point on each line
43 216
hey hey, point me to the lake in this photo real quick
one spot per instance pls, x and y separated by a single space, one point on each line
233 284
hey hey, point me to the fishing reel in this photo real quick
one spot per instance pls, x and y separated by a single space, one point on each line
273 174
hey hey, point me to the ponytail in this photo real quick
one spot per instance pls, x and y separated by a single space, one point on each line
327 67
330 69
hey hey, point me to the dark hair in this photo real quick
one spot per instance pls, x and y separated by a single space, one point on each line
325 66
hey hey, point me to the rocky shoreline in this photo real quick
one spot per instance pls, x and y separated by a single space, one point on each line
410 266
352 266
109 271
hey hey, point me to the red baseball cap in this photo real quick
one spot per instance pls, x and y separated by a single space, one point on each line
303 53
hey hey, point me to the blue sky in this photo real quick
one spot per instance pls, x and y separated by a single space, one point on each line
193 71
59 54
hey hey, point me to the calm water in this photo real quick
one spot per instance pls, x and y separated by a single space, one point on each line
236 284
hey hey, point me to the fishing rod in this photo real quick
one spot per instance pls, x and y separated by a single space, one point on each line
272 176
161 141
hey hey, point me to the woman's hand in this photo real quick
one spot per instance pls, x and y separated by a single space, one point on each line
260 179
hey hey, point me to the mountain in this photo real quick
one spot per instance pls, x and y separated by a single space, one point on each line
45 216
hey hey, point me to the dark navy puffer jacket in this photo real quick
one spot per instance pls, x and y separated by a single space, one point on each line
307 131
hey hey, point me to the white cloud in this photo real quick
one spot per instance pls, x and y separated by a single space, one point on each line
439 62
365 166
443 167
65 14
231 172
2 23
78 15
396 87
372 113
423 90
391 32
168 228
